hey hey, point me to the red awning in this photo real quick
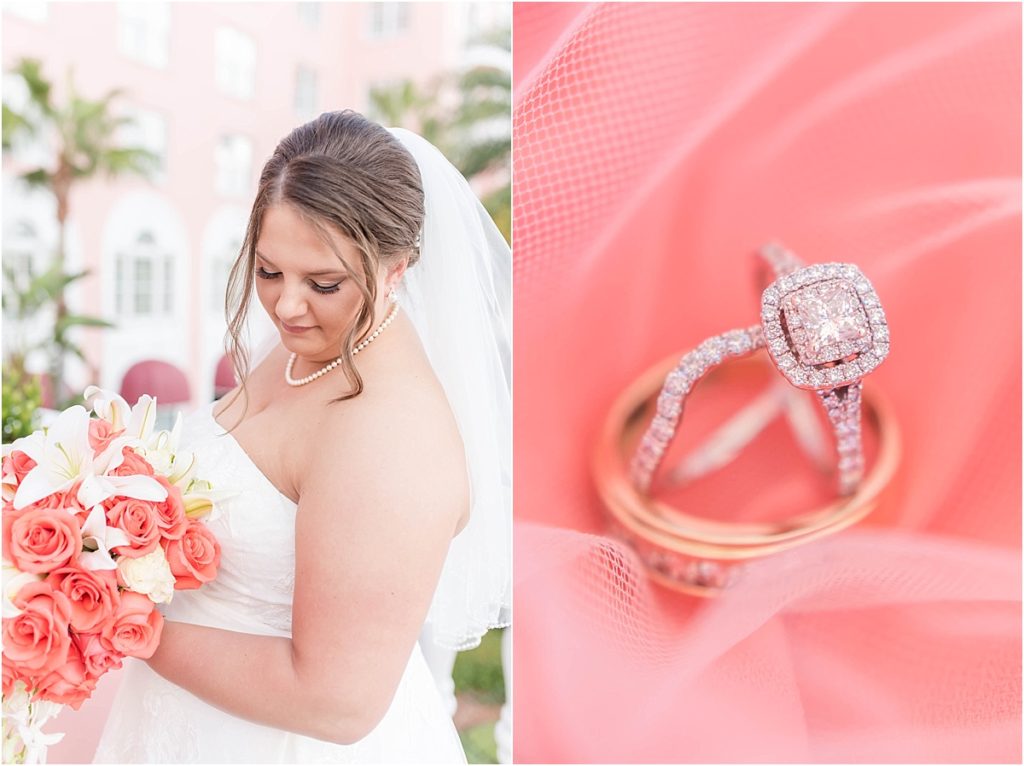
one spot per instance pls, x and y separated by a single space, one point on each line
161 380
224 378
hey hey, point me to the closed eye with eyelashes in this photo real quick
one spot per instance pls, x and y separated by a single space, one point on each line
262 273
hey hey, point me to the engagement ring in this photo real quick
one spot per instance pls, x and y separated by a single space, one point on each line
824 329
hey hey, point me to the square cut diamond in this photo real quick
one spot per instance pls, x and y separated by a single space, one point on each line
824 314
827 322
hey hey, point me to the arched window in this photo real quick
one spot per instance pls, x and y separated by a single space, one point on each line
220 267
144 279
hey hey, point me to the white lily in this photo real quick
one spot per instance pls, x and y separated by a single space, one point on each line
97 488
13 580
98 539
142 419
36 741
109 406
161 451
62 454
202 500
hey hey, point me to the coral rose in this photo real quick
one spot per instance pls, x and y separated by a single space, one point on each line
61 501
98 659
43 539
195 557
171 516
10 516
92 593
135 628
101 433
16 465
134 464
12 674
37 640
68 683
138 519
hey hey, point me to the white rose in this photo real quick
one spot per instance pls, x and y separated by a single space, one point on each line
149 575
13 580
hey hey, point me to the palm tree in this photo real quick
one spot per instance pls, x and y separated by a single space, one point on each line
82 133
485 97
466 115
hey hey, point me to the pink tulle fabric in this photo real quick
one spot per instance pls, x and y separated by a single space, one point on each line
655 147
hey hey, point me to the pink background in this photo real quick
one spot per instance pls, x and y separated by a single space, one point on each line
657 146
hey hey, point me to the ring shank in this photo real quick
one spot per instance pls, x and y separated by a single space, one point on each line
671 533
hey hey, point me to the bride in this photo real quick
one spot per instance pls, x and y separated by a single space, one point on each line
367 458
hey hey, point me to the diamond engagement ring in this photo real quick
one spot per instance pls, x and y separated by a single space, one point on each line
824 330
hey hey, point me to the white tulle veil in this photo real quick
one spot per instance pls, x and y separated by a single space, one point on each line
458 297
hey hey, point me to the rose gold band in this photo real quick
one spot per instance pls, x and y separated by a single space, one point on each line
686 552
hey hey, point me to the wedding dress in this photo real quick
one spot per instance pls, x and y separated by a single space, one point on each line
155 721
458 298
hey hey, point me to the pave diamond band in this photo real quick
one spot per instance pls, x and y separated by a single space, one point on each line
678 384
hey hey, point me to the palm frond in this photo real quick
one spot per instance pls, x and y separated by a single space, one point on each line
39 88
15 125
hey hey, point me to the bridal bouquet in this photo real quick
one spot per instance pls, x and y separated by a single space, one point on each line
102 521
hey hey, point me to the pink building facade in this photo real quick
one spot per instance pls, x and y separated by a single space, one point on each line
212 88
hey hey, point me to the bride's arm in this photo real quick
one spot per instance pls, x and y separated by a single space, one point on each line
376 515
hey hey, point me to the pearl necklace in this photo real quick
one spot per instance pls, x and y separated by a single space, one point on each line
331 365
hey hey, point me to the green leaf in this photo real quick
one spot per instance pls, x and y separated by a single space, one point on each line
15 125
39 88
38 177
80 320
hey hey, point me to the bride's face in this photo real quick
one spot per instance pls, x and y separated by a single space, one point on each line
307 293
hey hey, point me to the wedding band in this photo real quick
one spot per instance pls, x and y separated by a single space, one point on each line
683 551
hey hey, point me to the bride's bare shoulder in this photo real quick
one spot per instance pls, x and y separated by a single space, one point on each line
397 439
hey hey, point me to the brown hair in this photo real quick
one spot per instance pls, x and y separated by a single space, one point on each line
341 172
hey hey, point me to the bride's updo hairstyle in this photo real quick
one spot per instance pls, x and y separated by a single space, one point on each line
344 173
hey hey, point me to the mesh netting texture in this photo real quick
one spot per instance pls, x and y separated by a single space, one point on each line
656 145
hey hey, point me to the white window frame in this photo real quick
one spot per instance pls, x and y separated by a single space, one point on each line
30 10
144 272
143 31
309 13
387 19
220 268
235 63
233 162
306 95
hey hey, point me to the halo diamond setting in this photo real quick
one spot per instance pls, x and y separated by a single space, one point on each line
824 325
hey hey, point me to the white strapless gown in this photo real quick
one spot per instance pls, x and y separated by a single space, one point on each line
155 721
